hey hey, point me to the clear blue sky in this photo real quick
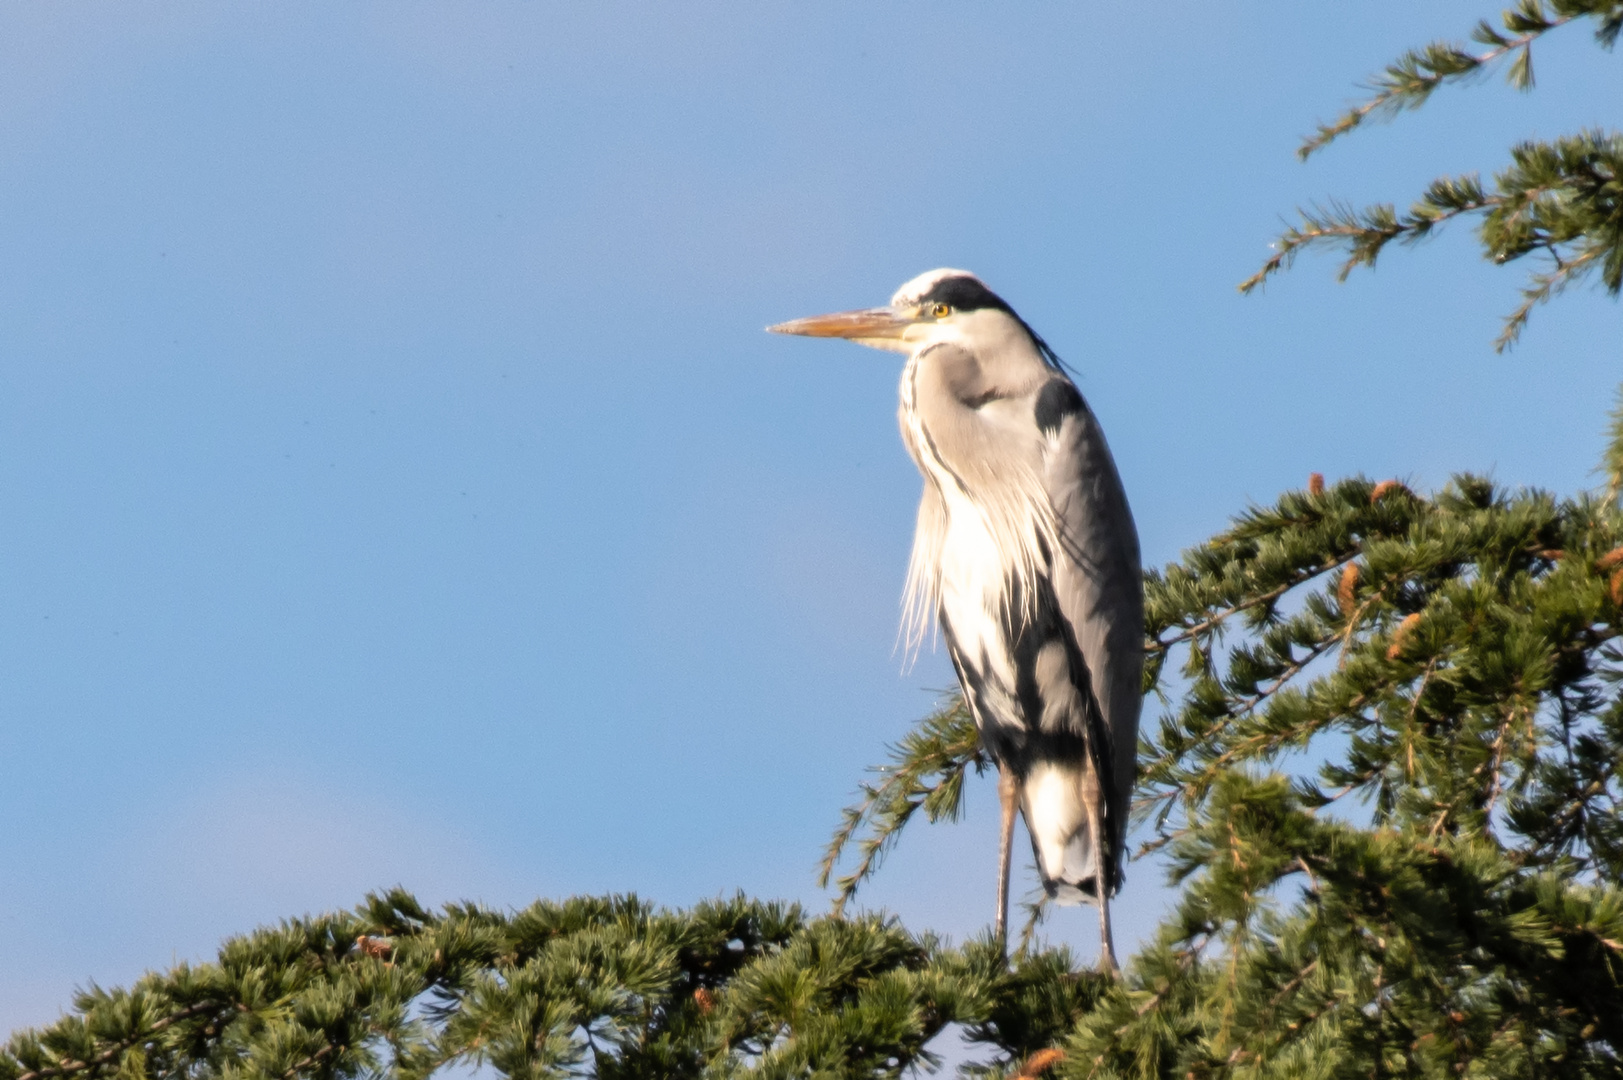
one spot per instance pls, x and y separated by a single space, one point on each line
396 484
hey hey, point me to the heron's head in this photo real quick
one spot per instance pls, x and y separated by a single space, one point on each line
940 305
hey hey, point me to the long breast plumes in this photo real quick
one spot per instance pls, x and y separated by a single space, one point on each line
985 525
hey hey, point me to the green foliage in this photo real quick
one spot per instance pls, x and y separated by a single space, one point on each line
1450 663
1409 82
608 987
926 771
1402 956
1560 200
1388 786
1612 464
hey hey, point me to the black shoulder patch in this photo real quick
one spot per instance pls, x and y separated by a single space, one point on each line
964 294
1057 400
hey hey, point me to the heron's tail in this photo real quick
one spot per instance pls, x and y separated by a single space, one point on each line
1056 804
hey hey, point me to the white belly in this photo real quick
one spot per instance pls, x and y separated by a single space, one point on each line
974 602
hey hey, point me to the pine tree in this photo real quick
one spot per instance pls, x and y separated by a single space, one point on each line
1435 896
1560 200
609 987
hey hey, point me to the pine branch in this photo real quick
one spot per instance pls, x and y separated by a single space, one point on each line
1036 911
1612 460
1213 621
1562 200
593 986
70 1067
1409 82
1365 233
927 771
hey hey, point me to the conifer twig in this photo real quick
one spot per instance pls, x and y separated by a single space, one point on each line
1612 462
1558 199
927 771
1410 81
1216 619
112 1053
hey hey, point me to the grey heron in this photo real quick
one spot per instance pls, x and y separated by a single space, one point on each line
1026 555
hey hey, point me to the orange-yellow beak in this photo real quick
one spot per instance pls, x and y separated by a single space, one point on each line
868 324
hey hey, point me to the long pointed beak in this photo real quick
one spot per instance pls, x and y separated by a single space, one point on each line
866 324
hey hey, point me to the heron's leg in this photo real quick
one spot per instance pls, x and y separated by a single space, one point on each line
1008 794
1101 884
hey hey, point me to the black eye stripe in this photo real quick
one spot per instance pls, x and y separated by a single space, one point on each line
964 294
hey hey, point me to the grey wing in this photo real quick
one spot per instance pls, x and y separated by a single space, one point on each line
1097 578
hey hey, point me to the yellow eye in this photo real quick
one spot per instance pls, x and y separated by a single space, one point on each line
941 311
